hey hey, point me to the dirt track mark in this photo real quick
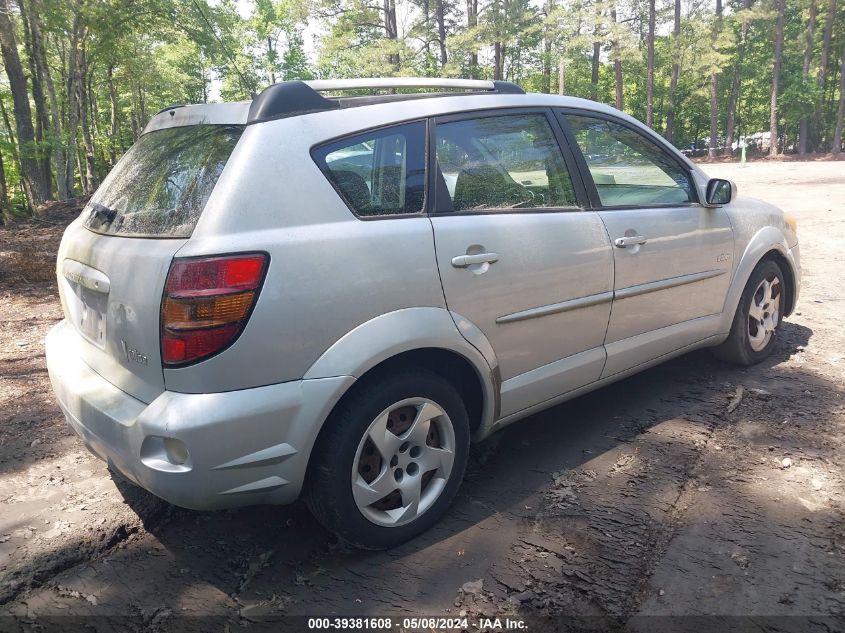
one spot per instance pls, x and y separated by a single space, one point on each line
604 526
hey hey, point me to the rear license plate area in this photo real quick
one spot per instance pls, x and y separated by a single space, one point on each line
90 315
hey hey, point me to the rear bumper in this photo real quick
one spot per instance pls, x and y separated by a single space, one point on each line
243 447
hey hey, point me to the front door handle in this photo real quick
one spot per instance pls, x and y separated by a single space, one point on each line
462 261
632 240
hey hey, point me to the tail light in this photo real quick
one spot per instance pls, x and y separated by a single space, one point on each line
206 304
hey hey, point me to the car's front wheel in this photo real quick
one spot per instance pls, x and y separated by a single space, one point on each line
390 460
757 318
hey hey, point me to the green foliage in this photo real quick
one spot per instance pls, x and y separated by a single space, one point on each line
142 55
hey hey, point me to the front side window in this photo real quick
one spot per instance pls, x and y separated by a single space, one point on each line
503 162
380 172
627 168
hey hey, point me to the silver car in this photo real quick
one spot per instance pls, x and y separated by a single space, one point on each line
331 297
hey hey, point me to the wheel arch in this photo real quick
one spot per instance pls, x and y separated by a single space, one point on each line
480 395
788 277
767 243
433 338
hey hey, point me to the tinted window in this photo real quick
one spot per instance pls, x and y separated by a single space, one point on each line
380 172
627 168
161 185
503 162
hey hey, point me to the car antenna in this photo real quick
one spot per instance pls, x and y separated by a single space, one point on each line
244 83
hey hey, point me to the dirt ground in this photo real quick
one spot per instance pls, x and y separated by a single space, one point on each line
693 489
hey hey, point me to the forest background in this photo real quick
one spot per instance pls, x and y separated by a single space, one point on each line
81 78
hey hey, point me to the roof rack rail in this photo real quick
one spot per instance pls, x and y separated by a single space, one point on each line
291 98
328 85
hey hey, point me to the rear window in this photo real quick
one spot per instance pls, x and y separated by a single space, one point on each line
160 186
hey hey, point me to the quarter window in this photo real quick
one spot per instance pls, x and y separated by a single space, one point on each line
380 172
503 162
627 168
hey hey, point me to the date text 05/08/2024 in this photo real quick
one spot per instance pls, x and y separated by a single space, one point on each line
491 625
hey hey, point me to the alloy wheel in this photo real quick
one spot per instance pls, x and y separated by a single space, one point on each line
764 312
403 462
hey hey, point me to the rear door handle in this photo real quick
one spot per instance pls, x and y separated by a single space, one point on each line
625 242
462 261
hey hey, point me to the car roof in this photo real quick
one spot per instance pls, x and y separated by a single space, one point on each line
302 99
296 98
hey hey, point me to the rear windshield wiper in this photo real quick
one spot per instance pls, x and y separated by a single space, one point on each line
103 213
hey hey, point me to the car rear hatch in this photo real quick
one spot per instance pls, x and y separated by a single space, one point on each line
114 259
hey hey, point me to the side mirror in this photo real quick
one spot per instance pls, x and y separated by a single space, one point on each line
720 191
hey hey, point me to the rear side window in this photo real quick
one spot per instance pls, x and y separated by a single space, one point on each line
503 162
160 186
627 168
378 173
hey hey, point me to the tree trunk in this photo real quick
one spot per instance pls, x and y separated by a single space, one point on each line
547 48
440 17
498 60
135 121
594 74
698 130
617 63
271 59
561 82
736 80
821 77
55 117
472 22
83 182
36 188
92 104
84 117
13 146
620 98
713 143
713 140
836 146
391 31
546 86
42 123
649 91
4 193
426 11
72 83
8 125
676 70
804 128
115 123
139 111
773 120
142 105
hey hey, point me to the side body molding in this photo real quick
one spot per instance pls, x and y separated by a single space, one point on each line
410 329
766 239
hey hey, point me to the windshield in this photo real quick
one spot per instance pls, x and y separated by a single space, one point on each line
160 186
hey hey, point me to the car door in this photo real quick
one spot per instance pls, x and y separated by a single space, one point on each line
672 255
517 254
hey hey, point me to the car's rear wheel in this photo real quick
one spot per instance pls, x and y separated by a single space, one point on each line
757 318
390 460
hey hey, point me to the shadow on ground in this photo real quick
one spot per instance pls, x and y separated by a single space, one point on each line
506 474
253 562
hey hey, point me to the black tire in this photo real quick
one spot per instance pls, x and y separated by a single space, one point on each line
737 347
328 490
